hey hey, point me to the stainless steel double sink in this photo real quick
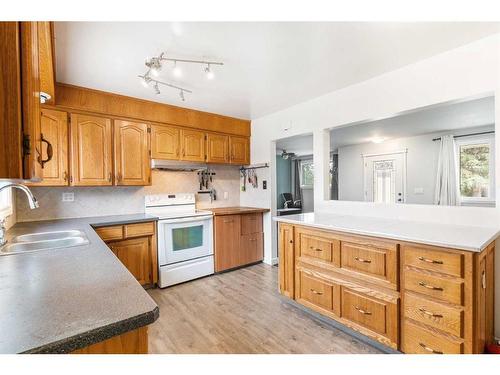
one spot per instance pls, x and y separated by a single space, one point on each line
32 242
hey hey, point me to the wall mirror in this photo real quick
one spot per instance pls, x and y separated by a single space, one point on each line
439 155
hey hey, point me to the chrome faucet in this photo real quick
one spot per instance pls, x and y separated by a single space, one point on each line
32 202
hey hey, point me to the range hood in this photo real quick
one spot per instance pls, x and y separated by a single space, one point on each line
177 165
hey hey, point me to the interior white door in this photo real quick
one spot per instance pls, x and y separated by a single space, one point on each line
385 177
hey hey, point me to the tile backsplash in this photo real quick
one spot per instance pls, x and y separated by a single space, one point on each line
98 201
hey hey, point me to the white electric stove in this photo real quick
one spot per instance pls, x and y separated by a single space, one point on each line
185 246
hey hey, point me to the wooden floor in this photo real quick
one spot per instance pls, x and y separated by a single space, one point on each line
240 312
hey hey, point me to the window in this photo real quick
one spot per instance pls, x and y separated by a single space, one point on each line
5 203
476 168
306 174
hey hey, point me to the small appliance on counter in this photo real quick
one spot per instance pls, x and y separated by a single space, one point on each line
185 246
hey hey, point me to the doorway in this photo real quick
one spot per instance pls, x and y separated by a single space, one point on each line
385 177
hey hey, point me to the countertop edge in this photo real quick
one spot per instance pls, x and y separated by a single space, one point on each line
475 249
224 211
70 344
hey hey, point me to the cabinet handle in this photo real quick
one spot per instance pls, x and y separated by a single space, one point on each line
483 279
362 260
421 283
65 176
119 177
424 311
316 292
364 312
50 153
291 241
429 349
253 239
430 260
315 249
109 177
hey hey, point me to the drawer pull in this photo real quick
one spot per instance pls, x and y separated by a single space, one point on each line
253 239
429 349
364 312
316 292
362 260
430 260
317 249
430 286
424 311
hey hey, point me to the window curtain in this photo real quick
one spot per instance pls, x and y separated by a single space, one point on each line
446 179
334 171
297 191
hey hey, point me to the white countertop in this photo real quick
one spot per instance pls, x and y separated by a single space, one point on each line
470 238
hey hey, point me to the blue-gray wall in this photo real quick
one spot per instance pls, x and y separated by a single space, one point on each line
283 178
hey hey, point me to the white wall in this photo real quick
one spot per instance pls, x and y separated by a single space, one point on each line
421 168
468 71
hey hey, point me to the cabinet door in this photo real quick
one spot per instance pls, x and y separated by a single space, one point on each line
135 254
227 242
217 148
91 156
286 260
251 248
54 127
132 165
239 148
165 142
193 145
30 98
11 161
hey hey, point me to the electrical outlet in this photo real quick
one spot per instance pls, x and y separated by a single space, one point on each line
68 197
226 195
264 184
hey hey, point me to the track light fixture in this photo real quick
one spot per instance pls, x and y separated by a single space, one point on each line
154 65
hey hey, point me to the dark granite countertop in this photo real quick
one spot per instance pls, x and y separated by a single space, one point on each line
59 300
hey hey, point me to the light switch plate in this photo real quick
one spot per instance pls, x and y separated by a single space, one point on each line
418 190
226 195
68 197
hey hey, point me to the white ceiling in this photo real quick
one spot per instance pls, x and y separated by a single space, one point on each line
268 66
445 117
299 145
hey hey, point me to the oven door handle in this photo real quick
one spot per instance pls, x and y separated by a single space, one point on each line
185 220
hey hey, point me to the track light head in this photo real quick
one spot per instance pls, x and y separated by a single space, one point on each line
181 94
154 65
157 89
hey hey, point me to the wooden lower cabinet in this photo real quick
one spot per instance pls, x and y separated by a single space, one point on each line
135 246
411 297
238 240
132 342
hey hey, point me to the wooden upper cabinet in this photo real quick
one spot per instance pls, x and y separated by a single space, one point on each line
165 142
46 59
217 148
30 98
91 151
132 165
192 145
54 150
239 148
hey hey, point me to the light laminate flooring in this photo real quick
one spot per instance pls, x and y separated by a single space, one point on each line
240 312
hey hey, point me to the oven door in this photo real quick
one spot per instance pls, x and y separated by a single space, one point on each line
184 239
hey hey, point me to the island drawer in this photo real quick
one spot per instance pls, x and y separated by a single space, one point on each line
317 245
374 261
433 314
417 340
449 263
446 289
316 292
366 311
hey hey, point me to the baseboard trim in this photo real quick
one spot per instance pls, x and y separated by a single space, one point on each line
333 323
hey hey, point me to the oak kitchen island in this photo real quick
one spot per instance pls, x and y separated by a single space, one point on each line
425 288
